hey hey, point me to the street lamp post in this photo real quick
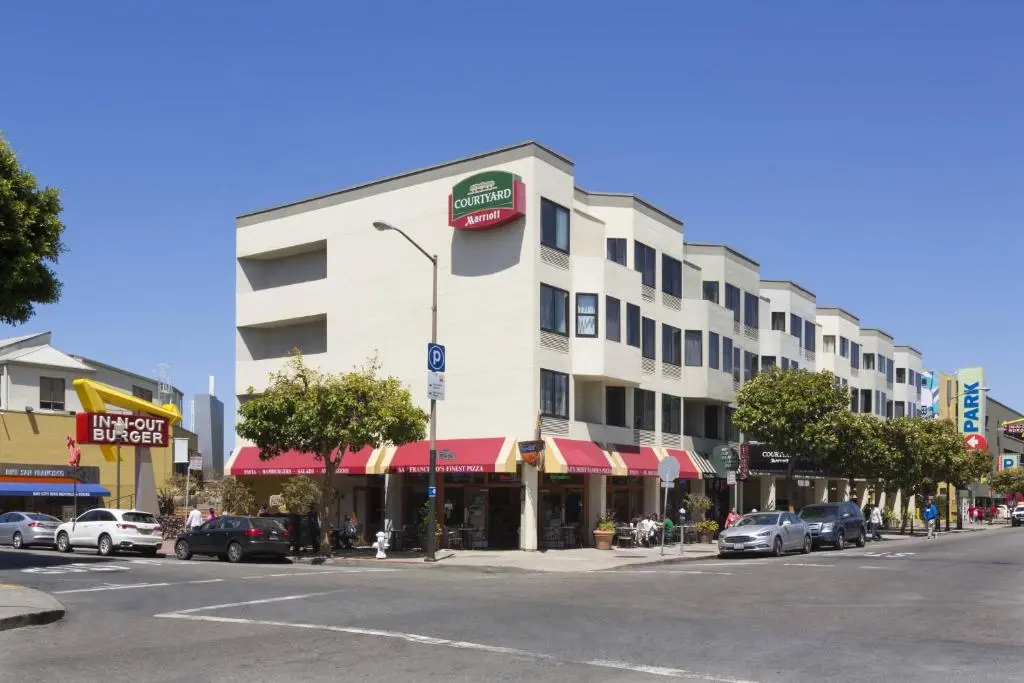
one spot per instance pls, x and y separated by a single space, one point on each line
431 536
949 410
120 429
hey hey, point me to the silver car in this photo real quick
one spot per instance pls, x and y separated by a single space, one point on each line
765 532
22 529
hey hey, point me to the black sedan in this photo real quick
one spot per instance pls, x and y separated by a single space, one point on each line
234 539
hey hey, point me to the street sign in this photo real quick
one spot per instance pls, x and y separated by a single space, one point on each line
977 442
668 484
195 461
435 357
431 492
435 386
730 477
726 455
803 482
1008 461
668 469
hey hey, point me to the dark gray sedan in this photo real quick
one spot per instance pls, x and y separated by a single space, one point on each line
24 529
765 532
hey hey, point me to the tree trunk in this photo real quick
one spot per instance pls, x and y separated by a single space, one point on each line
326 496
905 515
790 481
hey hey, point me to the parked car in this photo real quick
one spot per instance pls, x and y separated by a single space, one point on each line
1002 512
24 529
1016 520
765 532
234 539
835 524
111 530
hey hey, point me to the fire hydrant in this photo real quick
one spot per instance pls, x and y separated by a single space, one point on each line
381 545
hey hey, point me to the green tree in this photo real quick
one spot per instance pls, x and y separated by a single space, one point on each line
794 411
859 449
30 241
327 415
1008 482
236 497
901 468
300 494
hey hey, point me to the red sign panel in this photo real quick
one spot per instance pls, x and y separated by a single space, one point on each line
486 200
121 428
977 442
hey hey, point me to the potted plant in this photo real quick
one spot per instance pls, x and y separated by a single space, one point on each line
605 531
706 530
697 505
438 529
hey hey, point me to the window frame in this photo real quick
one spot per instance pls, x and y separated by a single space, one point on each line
781 327
828 343
612 322
844 347
809 335
612 245
671 345
716 291
796 322
671 275
640 411
48 403
714 351
643 256
734 303
607 407
630 310
595 315
544 202
554 375
671 407
687 360
554 290
644 336
751 310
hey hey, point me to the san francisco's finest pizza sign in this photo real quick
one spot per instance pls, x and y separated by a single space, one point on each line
486 200
122 428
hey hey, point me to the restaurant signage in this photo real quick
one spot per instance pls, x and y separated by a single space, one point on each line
135 430
758 457
486 200
532 451
87 474
1014 430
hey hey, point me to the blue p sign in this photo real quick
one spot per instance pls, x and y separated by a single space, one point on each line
435 357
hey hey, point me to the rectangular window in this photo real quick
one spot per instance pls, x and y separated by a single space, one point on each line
748 363
671 344
727 354
899 409
710 291
617 250
554 393
732 300
554 225
785 363
615 406
901 375
779 321
711 413
865 401
890 367
51 393
737 364
648 343
854 399
888 406
869 361
554 310
643 409
671 276
671 414
809 335
883 364
751 310
694 348
828 343
767 363
644 263
878 402
844 347
586 315
143 393
633 325
793 365
796 326
855 355
612 319
713 350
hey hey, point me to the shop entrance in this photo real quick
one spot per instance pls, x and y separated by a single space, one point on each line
562 512
368 505
481 511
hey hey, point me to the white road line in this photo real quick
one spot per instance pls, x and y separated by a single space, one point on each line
456 644
807 564
683 571
129 586
246 603
867 566
316 572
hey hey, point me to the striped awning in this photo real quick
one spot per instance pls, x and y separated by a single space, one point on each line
574 456
707 470
454 456
634 461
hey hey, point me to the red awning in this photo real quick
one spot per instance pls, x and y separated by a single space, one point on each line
578 457
687 468
640 461
290 463
454 456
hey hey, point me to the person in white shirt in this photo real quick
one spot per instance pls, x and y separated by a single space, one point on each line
876 523
195 518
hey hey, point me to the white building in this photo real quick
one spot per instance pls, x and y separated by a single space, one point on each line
793 319
907 390
876 386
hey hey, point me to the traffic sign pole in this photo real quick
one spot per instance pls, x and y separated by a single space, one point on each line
432 471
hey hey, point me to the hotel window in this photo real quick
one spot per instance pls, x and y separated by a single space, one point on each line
899 409
785 363
710 291
671 276
671 345
855 355
793 365
883 364
586 315
615 406
865 401
633 325
809 335
796 326
844 347
751 313
869 361
767 363
143 393
736 364
713 350
554 393
643 409
889 368
612 319
694 348
711 413
828 343
554 225
671 414
854 399
749 366
617 250
647 340
554 310
645 263
901 375
726 354
888 406
731 432
51 393
732 300
779 321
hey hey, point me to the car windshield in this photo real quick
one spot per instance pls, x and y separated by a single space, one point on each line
761 519
818 512
36 517
139 517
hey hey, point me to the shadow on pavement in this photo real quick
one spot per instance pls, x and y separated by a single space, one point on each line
15 559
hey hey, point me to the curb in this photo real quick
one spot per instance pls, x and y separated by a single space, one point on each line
37 616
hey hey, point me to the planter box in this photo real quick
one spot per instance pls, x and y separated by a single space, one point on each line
603 539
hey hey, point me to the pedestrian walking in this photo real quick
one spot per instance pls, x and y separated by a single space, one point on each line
931 514
195 518
263 512
314 529
970 514
212 516
993 512
876 523
731 518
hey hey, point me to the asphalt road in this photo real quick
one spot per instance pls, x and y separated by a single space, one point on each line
910 611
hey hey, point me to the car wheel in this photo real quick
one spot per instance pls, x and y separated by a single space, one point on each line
105 546
722 556
777 547
234 552
63 543
182 550
861 539
806 550
840 540
17 542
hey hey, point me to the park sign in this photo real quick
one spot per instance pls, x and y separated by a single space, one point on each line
971 419
486 200
124 429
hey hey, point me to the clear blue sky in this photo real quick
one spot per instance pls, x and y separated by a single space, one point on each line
885 139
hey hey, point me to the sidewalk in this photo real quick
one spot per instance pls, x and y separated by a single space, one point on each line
20 606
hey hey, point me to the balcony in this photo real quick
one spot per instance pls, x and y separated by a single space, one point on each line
707 383
291 302
602 433
602 359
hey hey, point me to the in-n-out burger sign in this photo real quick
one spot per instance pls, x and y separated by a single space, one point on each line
136 430
486 200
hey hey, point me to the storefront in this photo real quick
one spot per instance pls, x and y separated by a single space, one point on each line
49 489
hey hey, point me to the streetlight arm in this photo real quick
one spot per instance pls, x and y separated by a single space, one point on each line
431 258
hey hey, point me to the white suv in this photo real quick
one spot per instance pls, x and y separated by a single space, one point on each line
1017 518
111 530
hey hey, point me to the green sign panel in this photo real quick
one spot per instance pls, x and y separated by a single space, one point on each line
486 200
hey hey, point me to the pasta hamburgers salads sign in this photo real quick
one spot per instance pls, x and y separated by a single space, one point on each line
486 200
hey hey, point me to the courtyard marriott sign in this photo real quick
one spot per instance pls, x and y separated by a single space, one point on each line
486 200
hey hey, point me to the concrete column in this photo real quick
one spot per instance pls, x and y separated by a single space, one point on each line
845 490
145 485
897 502
768 492
882 499
862 492
653 498
597 503
529 508
392 502
820 490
